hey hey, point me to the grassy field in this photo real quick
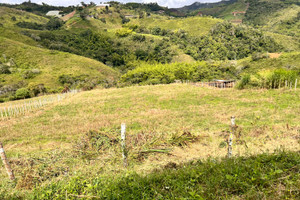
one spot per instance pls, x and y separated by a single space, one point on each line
178 123
195 26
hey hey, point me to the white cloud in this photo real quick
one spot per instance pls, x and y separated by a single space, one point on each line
167 3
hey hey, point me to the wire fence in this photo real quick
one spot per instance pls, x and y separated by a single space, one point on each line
13 110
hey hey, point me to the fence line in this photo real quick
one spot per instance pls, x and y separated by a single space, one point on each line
30 105
221 85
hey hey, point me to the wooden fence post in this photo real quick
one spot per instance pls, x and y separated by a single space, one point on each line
296 84
123 144
230 139
6 163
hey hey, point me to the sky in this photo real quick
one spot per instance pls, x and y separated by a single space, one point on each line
165 3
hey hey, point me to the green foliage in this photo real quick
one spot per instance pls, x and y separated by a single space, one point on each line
239 177
168 73
28 74
138 38
244 81
270 79
259 9
22 93
30 25
123 32
4 69
54 24
83 13
226 41
36 89
37 8
257 56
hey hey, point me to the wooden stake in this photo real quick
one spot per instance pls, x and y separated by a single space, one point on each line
123 144
6 163
296 84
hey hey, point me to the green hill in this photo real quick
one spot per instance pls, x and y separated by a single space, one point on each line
33 65
25 64
195 26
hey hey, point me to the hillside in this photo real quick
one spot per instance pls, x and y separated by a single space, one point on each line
278 19
79 136
24 64
29 64
194 26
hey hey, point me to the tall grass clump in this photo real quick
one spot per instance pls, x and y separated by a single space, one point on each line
266 176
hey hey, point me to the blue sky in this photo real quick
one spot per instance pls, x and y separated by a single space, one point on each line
168 3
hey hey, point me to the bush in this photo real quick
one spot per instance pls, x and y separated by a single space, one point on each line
123 32
269 79
4 69
138 38
22 93
54 24
244 82
30 25
31 73
257 56
36 89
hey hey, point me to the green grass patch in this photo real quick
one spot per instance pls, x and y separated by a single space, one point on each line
271 176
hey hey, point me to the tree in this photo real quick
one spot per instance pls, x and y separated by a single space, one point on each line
54 24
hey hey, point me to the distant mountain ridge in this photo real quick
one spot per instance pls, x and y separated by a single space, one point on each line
199 5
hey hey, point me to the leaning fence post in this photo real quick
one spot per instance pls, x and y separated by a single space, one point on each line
230 139
6 163
123 144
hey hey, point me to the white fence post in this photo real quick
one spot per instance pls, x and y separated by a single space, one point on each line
230 139
123 144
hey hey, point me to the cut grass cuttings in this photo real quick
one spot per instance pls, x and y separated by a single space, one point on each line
265 176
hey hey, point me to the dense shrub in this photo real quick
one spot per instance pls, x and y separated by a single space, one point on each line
36 89
278 78
244 81
123 32
4 69
138 38
54 24
168 73
30 25
258 55
22 93
28 74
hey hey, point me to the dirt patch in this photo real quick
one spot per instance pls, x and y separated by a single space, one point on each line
274 55
68 16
